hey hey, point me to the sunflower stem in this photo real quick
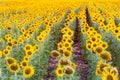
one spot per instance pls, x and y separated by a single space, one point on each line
15 75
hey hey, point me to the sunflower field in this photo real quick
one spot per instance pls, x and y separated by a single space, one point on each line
59 39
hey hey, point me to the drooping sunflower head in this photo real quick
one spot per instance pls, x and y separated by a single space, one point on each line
98 49
63 62
69 71
14 67
10 61
105 55
101 65
55 54
28 71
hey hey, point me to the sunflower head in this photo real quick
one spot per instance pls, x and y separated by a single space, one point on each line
28 47
105 55
10 61
59 72
98 72
101 65
14 67
28 71
67 54
55 54
24 64
6 52
108 74
63 62
98 49
69 70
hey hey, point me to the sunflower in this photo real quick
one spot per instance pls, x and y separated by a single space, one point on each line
66 44
105 55
109 75
70 41
118 37
28 47
65 36
73 65
104 45
63 62
67 54
65 29
70 33
59 45
55 54
14 67
0 53
69 71
28 71
98 72
15 42
61 51
9 47
94 44
24 63
10 61
98 49
36 47
29 53
39 38
89 46
93 39
6 52
26 58
59 72
70 49
20 40
101 65
115 31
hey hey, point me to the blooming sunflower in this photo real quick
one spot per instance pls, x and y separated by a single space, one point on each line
109 75
28 71
10 61
6 52
14 67
24 63
59 72
28 47
67 54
